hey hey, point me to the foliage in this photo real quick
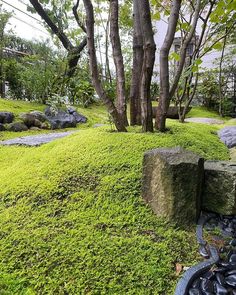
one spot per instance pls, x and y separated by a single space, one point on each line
80 88
208 89
203 112
72 220
31 76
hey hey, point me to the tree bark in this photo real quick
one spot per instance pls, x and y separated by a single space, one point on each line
184 48
94 68
135 107
164 67
195 55
118 60
147 67
221 94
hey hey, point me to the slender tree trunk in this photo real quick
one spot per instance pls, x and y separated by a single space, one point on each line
94 68
221 95
135 107
148 64
108 71
2 80
118 60
164 67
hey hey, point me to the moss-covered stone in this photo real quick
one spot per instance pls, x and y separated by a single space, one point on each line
172 179
219 194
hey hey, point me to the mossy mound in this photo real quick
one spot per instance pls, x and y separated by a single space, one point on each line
72 220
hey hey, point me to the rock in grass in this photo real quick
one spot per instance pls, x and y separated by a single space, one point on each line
29 120
17 127
228 136
59 118
172 179
219 191
2 127
6 117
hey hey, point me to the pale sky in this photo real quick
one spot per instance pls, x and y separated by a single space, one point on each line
29 28
22 24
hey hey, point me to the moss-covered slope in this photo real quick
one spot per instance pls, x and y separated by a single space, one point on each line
72 220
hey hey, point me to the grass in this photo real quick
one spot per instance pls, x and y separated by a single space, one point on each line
72 220
203 112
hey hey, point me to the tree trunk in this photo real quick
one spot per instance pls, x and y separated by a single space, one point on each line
2 79
135 107
94 68
221 94
164 67
118 60
147 67
184 48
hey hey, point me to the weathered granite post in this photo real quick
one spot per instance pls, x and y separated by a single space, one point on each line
172 180
219 193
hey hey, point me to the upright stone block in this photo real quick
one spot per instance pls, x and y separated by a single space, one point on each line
172 179
219 193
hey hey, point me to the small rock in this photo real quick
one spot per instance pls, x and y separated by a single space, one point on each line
6 117
220 279
220 290
30 120
2 127
71 110
232 258
35 128
194 291
233 243
207 285
208 275
203 252
17 127
79 118
231 280
196 284
231 272
39 116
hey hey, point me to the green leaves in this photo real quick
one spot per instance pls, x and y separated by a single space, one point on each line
174 56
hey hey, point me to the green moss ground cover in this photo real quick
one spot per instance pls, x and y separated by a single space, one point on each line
72 220
203 112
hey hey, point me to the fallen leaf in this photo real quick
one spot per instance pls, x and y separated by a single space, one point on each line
178 268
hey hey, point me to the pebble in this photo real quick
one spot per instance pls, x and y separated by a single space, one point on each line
207 285
220 290
231 280
222 279
232 258
194 292
203 252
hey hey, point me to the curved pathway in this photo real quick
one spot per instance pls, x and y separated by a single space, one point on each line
36 140
210 121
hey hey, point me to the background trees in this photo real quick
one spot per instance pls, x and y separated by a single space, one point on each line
122 54
4 18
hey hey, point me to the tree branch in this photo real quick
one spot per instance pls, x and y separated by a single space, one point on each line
60 34
74 9
184 48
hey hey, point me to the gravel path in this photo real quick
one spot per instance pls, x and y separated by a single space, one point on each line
36 140
204 120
